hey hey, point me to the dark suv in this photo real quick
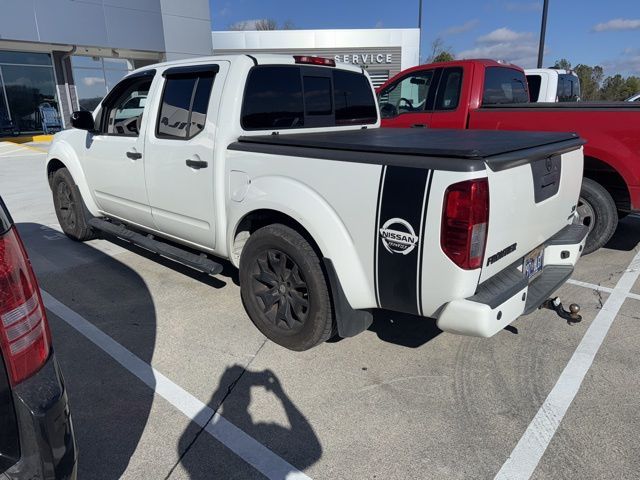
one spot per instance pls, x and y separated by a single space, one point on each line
36 434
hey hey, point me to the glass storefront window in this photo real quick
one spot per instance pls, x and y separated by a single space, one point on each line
27 83
25 58
95 76
90 87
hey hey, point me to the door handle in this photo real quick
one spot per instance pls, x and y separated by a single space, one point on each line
134 155
197 164
419 125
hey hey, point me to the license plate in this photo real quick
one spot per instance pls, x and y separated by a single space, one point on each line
533 263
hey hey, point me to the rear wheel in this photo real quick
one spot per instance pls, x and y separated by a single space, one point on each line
70 210
596 210
284 289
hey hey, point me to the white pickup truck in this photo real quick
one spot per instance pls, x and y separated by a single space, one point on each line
552 85
278 164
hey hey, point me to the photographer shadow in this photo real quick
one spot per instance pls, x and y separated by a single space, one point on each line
297 444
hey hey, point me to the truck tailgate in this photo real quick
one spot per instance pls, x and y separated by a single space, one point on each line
532 196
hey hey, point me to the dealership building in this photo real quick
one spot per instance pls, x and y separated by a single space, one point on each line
383 52
67 54
64 55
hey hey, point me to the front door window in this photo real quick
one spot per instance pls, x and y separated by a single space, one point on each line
124 115
408 95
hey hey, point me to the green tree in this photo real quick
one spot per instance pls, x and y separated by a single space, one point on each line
590 81
440 52
614 88
443 57
633 85
562 64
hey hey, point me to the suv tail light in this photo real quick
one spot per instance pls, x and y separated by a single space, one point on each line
465 221
308 59
24 333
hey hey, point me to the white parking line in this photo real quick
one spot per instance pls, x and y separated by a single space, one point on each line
10 149
527 454
599 288
246 447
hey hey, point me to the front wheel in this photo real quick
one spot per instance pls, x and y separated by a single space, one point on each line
284 289
70 210
596 210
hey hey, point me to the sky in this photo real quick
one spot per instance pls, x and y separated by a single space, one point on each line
605 33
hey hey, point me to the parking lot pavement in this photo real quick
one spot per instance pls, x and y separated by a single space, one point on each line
151 351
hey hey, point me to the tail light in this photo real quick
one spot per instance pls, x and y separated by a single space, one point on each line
308 59
24 333
465 220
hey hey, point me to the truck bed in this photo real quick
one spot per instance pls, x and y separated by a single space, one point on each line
442 149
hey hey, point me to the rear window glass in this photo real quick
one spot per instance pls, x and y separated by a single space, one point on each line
317 95
281 97
534 82
5 221
355 103
504 86
568 88
273 99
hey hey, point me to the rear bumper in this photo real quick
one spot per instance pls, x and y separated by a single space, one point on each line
504 297
47 442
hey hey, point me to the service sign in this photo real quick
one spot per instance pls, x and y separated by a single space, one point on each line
365 58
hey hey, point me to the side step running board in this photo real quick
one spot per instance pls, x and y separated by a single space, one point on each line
199 262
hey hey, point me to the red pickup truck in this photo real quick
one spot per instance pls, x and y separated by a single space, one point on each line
489 95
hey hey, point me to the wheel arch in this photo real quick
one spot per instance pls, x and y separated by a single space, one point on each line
312 217
62 155
610 179
349 321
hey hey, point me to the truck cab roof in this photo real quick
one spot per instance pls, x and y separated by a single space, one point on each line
258 59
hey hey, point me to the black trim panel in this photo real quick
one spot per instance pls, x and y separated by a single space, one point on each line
191 70
413 161
569 235
524 157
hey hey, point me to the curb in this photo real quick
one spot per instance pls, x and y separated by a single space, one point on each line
27 138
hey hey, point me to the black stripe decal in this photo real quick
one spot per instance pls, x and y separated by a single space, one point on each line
422 237
402 206
375 233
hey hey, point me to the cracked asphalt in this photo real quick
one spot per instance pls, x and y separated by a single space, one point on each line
400 401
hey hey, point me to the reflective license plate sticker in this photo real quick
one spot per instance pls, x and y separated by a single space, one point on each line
533 263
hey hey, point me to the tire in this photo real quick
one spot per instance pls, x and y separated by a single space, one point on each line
70 209
597 210
284 289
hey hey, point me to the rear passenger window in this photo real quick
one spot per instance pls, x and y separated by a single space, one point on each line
504 86
273 99
183 110
534 82
281 97
449 90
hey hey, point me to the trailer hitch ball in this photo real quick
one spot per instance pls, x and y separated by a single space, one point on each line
571 316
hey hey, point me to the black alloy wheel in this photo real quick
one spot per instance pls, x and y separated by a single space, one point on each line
284 288
281 288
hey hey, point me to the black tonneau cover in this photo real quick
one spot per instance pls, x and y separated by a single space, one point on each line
460 150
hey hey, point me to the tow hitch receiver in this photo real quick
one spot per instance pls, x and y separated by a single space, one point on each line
570 316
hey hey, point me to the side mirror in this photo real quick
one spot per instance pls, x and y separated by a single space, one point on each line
82 120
